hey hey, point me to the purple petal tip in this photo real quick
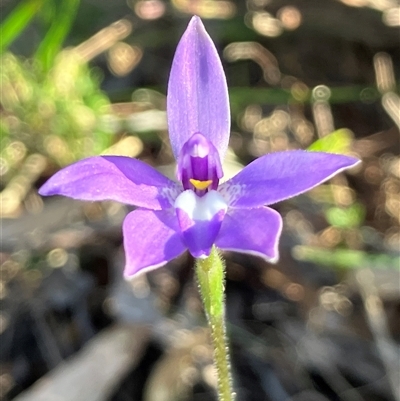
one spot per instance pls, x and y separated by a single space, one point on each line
197 98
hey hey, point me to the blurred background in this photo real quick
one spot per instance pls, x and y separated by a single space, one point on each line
80 78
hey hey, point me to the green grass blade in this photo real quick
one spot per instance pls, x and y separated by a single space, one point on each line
17 21
55 36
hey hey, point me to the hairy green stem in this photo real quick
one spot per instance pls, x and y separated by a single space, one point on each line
211 277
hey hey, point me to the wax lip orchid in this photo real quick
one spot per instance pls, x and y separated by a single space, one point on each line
197 211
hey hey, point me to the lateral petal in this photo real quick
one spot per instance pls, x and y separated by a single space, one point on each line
278 176
118 178
197 97
253 231
151 239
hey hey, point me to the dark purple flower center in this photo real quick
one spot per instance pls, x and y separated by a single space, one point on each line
199 165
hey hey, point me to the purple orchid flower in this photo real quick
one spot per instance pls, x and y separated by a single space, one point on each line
197 211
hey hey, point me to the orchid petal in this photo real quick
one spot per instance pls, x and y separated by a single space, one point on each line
197 98
200 220
151 239
117 178
254 231
278 176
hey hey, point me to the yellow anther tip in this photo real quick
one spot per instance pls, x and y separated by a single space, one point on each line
201 185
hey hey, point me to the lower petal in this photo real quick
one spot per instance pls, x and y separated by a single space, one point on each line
253 231
200 220
151 239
